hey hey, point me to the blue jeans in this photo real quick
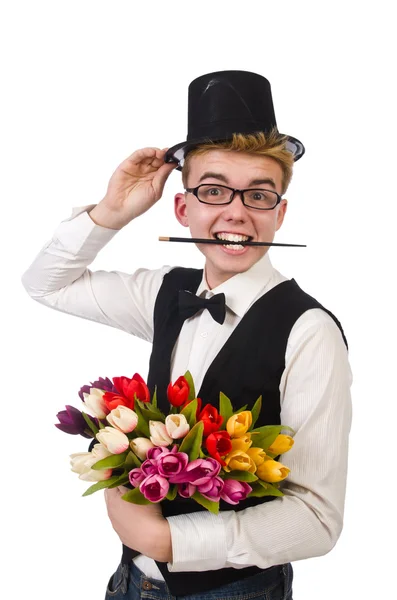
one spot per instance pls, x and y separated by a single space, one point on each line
129 583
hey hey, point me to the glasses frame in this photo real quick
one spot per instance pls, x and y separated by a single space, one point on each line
195 190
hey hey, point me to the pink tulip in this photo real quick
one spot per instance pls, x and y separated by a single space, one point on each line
154 488
172 463
211 489
235 491
136 477
197 471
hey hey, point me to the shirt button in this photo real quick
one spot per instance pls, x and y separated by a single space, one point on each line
147 585
204 334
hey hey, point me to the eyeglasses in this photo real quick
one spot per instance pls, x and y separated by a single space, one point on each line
258 198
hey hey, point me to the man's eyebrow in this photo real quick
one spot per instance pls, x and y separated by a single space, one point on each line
211 175
220 177
266 181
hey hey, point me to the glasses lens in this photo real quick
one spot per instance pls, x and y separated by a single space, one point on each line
262 199
214 194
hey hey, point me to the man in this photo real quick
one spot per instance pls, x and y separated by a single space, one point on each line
273 340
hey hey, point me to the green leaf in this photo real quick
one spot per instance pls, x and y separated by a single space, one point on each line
241 409
135 496
154 399
132 461
110 462
192 391
90 423
101 485
260 489
172 492
122 480
256 411
263 437
225 408
142 426
190 412
240 476
149 412
208 504
101 425
191 444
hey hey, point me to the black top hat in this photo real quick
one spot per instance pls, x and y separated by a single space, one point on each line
227 102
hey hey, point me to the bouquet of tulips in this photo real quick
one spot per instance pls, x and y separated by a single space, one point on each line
195 451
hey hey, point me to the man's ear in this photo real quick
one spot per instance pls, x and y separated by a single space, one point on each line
180 209
281 213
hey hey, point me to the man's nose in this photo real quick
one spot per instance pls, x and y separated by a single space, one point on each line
236 210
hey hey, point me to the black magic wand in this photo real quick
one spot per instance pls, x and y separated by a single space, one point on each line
223 242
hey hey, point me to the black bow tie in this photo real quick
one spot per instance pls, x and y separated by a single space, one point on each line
190 304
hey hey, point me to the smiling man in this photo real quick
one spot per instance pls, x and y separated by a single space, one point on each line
270 339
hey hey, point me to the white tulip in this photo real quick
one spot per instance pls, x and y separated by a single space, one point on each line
99 452
82 462
115 441
123 418
177 426
140 447
158 434
95 404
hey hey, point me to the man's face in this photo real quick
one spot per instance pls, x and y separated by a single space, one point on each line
240 171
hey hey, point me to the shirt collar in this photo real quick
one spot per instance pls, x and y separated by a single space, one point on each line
241 289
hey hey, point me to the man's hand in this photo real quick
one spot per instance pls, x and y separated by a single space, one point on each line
134 187
142 528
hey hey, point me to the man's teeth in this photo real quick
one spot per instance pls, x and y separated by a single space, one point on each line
232 237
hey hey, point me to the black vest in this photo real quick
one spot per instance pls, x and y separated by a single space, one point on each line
250 364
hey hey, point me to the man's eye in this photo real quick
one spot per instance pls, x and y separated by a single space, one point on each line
258 196
214 192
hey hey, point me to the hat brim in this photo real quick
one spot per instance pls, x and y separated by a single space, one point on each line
179 152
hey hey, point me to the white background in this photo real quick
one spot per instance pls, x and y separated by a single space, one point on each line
84 84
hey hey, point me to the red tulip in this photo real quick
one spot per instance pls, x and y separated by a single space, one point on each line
218 444
211 418
178 392
127 389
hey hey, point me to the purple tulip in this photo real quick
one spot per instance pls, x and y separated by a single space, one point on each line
211 489
101 384
149 467
136 477
234 491
197 471
154 488
186 490
172 463
72 421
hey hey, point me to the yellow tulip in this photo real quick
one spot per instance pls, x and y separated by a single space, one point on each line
239 424
281 444
241 443
257 454
272 471
239 461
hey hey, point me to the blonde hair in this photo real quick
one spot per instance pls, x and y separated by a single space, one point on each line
271 145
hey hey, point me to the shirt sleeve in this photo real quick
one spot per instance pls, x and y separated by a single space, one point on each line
307 520
59 278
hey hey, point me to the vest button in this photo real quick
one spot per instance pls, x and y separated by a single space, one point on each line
204 334
147 585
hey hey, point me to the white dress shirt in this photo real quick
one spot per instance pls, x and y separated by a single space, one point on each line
314 396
